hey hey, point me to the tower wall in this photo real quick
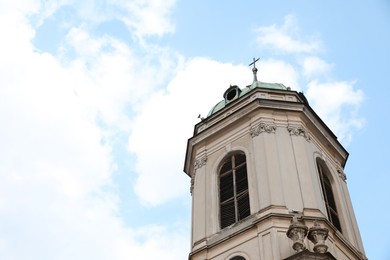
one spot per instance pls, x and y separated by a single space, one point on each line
281 138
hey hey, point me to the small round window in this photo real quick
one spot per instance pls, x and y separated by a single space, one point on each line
231 94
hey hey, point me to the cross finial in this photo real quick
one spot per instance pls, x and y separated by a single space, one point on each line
254 69
254 62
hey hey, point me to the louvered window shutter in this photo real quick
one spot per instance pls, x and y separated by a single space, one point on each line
233 190
330 202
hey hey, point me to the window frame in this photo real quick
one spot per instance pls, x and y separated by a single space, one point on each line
239 200
328 194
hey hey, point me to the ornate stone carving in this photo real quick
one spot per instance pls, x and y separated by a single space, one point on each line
317 235
262 127
341 173
200 162
298 131
192 183
297 233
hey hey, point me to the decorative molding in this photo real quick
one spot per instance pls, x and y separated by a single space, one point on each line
199 163
298 131
341 173
317 235
262 127
192 183
297 232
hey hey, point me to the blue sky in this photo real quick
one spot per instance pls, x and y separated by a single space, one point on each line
98 98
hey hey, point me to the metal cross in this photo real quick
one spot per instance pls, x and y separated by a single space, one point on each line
254 62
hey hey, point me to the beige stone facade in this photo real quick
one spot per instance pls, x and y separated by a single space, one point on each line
282 139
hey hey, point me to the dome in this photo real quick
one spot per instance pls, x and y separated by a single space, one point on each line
234 92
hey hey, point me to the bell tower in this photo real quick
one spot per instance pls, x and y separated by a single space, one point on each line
267 180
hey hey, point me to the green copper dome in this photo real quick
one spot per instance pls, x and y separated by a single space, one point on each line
234 92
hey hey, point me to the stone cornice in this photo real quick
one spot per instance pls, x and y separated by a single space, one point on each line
260 98
252 222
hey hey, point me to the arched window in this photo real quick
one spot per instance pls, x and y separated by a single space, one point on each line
327 191
233 190
237 258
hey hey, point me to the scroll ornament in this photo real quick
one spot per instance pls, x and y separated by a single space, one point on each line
262 127
200 162
341 173
298 131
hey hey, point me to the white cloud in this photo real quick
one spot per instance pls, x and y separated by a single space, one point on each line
19 8
57 195
314 66
147 17
337 104
286 38
114 83
143 18
278 71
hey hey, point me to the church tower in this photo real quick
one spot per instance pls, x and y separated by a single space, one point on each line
267 180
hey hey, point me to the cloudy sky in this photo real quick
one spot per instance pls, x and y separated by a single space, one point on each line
98 99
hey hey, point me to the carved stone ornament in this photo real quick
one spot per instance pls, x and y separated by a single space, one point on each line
192 183
317 235
341 173
297 233
200 162
262 127
298 131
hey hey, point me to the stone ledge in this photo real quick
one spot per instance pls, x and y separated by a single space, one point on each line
307 255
